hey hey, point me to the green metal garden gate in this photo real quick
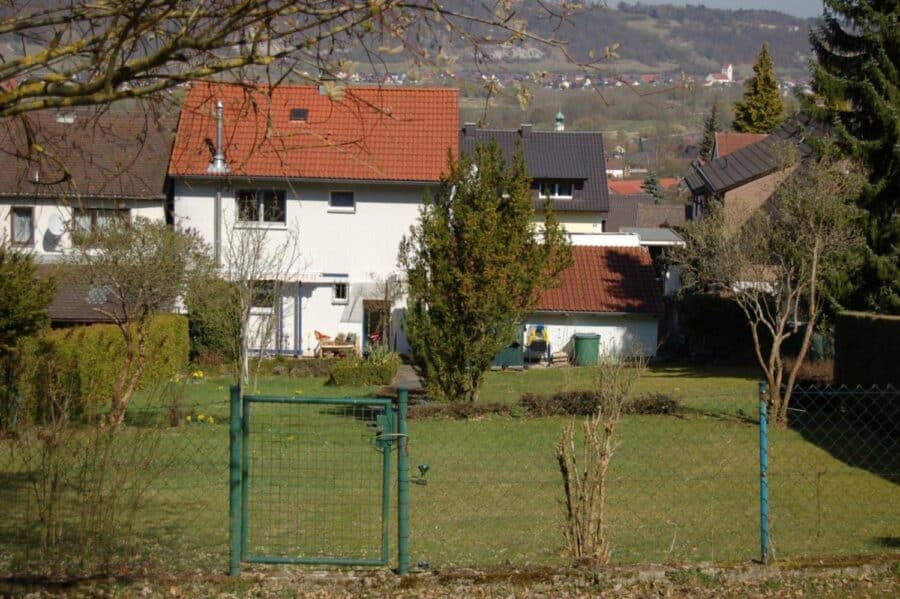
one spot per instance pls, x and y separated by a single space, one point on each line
310 480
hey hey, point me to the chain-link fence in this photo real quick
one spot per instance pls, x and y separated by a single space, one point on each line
683 486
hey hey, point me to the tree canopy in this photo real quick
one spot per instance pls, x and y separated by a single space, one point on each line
856 81
775 267
475 266
762 109
63 54
710 127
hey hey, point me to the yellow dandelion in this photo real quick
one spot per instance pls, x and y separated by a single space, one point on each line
188 418
212 420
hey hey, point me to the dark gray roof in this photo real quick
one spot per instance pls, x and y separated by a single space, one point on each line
553 155
113 155
753 161
76 301
641 210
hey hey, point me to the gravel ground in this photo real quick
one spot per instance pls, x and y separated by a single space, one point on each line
869 577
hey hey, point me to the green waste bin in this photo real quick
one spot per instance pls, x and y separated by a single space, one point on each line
587 349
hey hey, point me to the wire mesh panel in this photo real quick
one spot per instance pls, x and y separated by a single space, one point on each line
834 473
317 479
680 487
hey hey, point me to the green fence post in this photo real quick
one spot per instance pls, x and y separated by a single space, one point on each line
234 503
763 473
245 473
402 484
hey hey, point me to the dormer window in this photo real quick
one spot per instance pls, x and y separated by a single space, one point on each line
557 190
299 115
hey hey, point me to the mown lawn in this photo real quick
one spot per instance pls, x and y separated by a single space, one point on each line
681 488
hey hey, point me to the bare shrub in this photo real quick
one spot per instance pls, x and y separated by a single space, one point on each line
584 465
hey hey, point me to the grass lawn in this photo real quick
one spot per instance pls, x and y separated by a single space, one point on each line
681 488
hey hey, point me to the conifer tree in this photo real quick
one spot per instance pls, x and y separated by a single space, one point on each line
651 185
475 268
710 128
762 109
856 80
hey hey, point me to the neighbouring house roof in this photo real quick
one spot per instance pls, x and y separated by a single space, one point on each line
76 300
636 186
655 235
606 279
642 211
553 155
85 153
754 161
369 134
614 164
727 143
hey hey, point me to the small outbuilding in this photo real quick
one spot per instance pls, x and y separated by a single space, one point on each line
610 291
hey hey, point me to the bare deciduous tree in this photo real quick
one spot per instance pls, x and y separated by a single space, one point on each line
136 270
257 264
775 265
584 469
63 54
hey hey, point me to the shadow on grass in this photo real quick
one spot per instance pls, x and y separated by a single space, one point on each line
860 429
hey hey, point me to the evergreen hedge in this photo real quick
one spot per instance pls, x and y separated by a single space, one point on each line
866 349
89 358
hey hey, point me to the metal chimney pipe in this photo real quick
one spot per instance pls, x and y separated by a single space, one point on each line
218 162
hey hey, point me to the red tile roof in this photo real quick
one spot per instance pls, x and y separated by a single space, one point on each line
726 143
635 186
606 279
371 133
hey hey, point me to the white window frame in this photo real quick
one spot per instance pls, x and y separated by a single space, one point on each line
344 209
12 225
554 186
272 291
335 295
260 221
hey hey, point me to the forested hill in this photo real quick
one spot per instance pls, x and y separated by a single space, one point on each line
657 38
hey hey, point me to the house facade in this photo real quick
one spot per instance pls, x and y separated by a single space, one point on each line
91 167
568 168
311 194
744 179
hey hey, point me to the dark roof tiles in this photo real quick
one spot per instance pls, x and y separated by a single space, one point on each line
110 155
553 155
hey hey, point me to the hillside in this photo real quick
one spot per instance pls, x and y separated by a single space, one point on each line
695 39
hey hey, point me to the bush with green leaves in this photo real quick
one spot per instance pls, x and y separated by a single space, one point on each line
214 320
379 368
92 356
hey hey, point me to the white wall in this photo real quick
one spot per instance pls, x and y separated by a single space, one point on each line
619 334
48 248
360 246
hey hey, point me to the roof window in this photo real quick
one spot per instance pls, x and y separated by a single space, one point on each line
299 114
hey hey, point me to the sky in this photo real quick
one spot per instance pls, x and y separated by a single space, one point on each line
798 8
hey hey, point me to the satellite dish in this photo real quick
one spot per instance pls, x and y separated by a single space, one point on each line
55 225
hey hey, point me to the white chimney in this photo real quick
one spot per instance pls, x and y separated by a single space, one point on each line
560 121
218 162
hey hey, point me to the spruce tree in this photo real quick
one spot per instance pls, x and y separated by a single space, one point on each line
856 80
710 128
762 109
651 185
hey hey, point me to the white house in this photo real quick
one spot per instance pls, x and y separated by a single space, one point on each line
611 291
723 77
66 173
331 183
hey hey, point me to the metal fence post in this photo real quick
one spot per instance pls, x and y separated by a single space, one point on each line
234 503
402 484
763 473
245 472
